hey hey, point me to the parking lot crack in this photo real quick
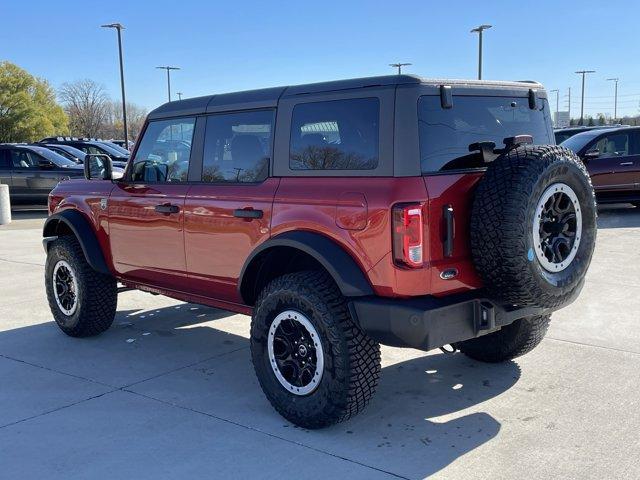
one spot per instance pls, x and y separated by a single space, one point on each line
602 347
57 409
58 371
21 262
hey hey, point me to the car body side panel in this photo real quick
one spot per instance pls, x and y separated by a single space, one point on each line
217 242
85 196
316 204
455 190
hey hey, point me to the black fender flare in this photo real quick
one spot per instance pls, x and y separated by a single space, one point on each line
82 230
344 270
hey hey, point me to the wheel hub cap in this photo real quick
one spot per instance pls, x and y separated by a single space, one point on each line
295 352
65 287
557 227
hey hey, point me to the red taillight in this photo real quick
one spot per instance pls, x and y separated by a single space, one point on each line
408 235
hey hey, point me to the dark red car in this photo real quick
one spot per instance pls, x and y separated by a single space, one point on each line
340 215
612 157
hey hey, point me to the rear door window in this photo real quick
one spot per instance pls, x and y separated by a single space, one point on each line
445 134
164 151
335 135
237 147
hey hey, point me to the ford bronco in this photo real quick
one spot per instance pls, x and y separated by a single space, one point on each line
342 215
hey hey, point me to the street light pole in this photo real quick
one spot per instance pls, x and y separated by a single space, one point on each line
615 101
119 28
479 29
399 66
557 103
179 95
583 73
168 69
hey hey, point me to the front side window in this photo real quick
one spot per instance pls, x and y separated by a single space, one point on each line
237 147
23 159
446 134
615 145
164 151
335 135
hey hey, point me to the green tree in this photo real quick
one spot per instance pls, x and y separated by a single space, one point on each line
591 123
28 107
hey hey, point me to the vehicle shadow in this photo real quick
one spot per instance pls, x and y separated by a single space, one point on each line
618 216
197 358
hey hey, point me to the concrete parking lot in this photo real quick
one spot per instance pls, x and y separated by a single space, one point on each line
169 391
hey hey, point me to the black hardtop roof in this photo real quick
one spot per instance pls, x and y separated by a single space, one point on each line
268 97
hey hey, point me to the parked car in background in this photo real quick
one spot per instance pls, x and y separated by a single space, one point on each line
612 157
32 171
72 153
121 143
563 134
118 157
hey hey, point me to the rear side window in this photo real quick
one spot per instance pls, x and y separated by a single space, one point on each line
335 135
237 147
445 134
164 151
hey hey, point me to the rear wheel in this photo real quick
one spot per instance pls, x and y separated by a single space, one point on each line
82 301
314 363
509 342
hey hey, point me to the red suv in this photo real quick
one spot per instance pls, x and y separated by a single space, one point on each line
339 215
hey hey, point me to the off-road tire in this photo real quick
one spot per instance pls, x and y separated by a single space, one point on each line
96 296
351 358
509 342
503 212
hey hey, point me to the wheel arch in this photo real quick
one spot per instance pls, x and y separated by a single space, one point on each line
71 222
293 251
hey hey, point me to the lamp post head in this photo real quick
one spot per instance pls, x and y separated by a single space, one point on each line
117 26
480 28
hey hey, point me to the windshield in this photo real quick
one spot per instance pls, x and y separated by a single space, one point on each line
445 134
69 150
111 150
580 140
56 158
117 147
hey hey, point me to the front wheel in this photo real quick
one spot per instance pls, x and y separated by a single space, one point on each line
509 342
314 363
82 301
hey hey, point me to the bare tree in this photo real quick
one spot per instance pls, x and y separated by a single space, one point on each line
87 105
113 126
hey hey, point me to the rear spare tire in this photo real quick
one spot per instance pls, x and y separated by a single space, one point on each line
533 226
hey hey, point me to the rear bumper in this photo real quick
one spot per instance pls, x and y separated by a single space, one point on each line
426 323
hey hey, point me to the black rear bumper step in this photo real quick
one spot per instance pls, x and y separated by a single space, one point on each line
428 322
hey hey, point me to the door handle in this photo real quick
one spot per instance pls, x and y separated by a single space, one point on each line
167 208
626 164
449 232
248 213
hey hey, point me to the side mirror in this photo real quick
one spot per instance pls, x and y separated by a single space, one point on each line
97 167
591 154
45 164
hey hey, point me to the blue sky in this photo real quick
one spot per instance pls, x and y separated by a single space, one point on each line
227 46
